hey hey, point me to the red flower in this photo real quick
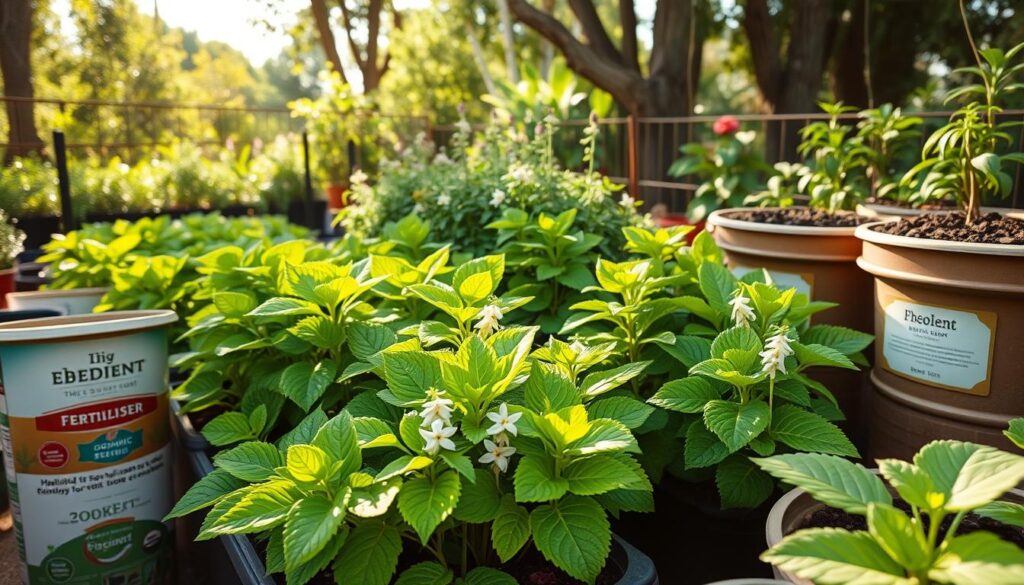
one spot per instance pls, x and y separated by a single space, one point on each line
726 125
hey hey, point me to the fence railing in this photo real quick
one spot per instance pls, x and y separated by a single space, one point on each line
635 151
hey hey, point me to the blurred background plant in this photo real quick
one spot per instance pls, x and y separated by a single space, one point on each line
11 239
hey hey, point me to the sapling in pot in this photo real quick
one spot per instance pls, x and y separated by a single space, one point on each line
931 534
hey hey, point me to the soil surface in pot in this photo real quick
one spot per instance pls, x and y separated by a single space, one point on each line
941 205
991 228
833 518
801 216
529 568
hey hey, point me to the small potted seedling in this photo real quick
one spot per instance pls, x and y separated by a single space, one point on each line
949 287
11 241
951 515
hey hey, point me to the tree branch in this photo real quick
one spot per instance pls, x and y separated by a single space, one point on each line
764 49
593 29
627 16
623 83
321 17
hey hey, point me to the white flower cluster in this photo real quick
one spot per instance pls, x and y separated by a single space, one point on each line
497 198
437 429
499 451
776 350
627 201
489 320
742 314
444 200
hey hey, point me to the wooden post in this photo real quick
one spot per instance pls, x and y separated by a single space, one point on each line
632 152
67 214
309 182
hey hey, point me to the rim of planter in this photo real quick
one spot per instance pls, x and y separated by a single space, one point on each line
867 233
61 292
773 526
69 326
719 217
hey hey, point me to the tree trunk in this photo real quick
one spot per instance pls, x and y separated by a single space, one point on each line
508 39
16 67
322 18
849 83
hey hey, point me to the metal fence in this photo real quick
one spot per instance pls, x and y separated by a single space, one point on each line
635 151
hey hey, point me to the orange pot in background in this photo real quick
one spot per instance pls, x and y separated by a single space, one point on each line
336 196
6 285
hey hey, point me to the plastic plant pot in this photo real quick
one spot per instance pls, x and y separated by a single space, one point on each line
949 343
72 301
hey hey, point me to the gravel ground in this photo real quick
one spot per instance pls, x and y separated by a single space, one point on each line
8 552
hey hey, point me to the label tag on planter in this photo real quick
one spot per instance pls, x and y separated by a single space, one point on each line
939 346
803 283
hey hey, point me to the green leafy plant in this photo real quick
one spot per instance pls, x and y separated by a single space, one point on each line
498 452
889 136
552 262
834 176
333 121
947 479
962 161
11 240
748 390
729 170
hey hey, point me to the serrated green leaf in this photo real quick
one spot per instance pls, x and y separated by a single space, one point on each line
1010 513
741 484
228 428
703 448
427 573
205 492
369 556
251 462
426 501
311 524
573 534
307 463
488 576
815 354
510 529
806 431
842 339
480 498
979 558
535 480
597 383
629 411
898 536
281 307
234 304
374 499
688 395
736 424
832 480
831 556
596 475
264 506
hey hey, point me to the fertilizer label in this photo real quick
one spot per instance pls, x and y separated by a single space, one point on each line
84 427
939 346
803 283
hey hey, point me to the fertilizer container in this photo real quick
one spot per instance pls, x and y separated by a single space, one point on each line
86 438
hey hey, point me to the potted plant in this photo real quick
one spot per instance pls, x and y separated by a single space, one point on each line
949 288
730 169
890 138
951 515
11 241
812 248
331 120
478 488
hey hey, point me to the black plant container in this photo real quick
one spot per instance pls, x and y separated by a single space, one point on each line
38 228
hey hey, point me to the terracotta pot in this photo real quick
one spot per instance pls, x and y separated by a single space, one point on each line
788 514
881 212
820 261
73 301
6 285
949 344
336 196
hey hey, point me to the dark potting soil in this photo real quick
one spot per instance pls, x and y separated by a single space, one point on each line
833 518
801 216
990 228
941 205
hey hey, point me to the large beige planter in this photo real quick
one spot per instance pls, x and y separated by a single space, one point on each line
789 512
819 261
73 301
883 212
949 348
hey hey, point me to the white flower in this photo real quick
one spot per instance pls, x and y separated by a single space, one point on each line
627 201
442 159
489 320
497 198
463 126
503 421
358 178
746 136
436 409
520 173
437 437
742 314
773 358
444 199
497 454
418 209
